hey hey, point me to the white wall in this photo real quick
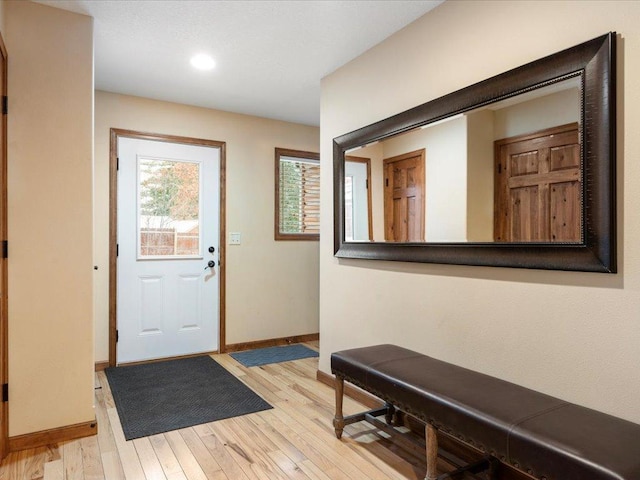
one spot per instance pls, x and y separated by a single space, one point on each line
445 173
480 175
573 335
376 155
272 287
445 201
559 108
50 154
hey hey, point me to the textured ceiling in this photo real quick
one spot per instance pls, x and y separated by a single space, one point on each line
270 55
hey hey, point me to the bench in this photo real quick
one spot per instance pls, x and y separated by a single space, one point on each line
537 434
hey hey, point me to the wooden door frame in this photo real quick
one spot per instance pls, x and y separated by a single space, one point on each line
398 158
115 134
367 162
4 316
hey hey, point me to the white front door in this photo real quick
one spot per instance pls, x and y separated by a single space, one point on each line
168 232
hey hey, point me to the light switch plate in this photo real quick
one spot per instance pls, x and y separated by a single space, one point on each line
234 238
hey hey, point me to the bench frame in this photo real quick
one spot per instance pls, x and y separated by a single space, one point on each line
487 463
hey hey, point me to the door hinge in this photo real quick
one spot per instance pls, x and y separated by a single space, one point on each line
117 163
366 184
117 336
386 182
499 168
117 249
5 104
5 392
5 249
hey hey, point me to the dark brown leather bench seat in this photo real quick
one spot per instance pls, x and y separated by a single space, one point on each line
543 436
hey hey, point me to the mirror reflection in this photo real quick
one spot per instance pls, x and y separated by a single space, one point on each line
357 199
509 171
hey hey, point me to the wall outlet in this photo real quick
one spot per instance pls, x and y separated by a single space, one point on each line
234 238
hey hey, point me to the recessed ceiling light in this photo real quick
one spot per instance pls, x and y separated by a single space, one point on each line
202 61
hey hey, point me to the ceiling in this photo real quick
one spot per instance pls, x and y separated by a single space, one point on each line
270 55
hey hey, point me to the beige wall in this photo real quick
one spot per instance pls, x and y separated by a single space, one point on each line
50 217
572 335
272 287
2 22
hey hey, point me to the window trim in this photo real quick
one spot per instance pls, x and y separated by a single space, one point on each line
284 152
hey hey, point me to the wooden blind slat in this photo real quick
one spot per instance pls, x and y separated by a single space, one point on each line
299 196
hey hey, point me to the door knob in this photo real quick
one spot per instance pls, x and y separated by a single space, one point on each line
210 264
212 249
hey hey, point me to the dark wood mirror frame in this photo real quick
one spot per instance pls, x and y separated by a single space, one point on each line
594 62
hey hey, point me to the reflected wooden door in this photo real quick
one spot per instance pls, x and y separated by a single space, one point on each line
538 187
404 197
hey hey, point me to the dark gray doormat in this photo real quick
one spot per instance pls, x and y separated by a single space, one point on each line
158 397
263 356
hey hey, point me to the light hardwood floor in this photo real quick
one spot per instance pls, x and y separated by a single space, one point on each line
294 440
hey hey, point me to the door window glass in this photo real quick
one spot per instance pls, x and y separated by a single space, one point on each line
169 208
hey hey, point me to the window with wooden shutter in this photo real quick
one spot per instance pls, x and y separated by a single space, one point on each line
297 181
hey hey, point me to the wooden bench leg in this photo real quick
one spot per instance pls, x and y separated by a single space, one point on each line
338 420
391 410
432 452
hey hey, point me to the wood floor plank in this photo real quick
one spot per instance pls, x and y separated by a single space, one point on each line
112 466
370 446
275 384
54 470
128 456
168 461
73 461
105 433
252 447
34 464
290 469
91 460
269 396
229 466
300 444
187 461
243 454
177 476
278 440
106 390
256 434
13 465
314 472
334 449
148 459
207 462
230 364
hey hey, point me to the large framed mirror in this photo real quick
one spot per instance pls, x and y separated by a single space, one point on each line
515 171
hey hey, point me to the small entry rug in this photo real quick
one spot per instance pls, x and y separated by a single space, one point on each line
163 396
263 356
